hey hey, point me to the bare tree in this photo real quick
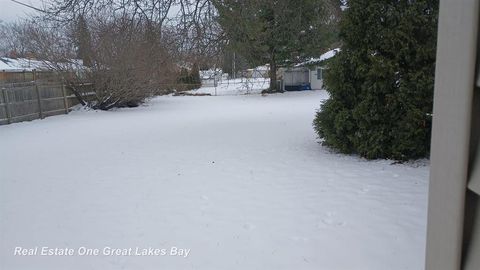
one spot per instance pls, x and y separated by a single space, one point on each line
198 36
14 40
131 49
129 63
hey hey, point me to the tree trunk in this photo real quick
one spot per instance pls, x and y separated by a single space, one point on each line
77 94
73 88
273 75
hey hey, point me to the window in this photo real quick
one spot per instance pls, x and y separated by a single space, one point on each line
319 74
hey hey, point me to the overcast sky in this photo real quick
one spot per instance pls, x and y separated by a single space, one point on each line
10 11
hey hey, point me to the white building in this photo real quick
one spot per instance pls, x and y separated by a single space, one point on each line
307 75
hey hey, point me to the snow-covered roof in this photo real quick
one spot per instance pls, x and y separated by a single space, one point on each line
4 66
25 64
322 57
20 64
263 68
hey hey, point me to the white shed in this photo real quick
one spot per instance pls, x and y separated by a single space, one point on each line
307 75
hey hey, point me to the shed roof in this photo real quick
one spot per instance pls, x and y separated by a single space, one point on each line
320 59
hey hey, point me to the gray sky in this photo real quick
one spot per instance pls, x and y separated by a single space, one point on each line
10 11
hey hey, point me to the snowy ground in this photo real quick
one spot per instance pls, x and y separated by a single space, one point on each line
240 181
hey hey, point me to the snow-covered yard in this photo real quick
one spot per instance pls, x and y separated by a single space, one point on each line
240 181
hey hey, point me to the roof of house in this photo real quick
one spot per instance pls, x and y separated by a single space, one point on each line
320 59
21 64
25 64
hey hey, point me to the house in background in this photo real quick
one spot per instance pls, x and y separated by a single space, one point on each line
24 70
307 75
19 69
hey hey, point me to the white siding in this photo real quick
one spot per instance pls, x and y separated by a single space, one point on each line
315 82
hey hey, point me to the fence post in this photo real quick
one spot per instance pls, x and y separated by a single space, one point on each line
65 102
40 113
215 83
7 108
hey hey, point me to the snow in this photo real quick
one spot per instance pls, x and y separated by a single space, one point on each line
25 64
240 181
20 64
322 57
265 67
210 73
4 66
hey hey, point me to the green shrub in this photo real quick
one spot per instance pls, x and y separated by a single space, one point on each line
381 83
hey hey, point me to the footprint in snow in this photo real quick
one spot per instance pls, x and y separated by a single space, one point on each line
248 226
299 239
364 190
330 220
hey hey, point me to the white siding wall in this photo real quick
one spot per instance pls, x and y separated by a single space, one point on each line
296 76
315 83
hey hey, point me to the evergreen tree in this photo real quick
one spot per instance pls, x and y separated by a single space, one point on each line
274 31
381 83
83 41
195 76
189 79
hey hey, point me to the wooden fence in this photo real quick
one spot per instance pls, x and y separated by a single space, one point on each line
33 100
